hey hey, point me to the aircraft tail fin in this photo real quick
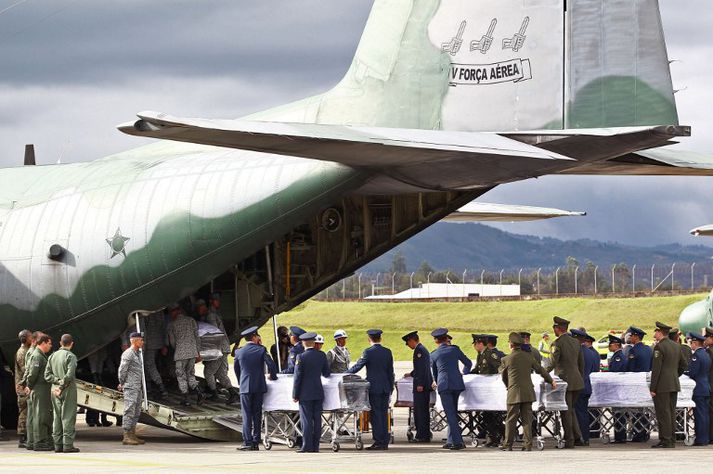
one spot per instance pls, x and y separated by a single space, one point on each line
495 65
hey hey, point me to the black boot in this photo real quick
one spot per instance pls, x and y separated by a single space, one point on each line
234 396
185 401
200 396
22 442
212 395
105 420
162 390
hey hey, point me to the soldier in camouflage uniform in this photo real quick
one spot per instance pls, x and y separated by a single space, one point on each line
61 373
131 383
154 327
26 342
217 368
183 337
39 391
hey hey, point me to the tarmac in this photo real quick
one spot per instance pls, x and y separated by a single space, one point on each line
167 451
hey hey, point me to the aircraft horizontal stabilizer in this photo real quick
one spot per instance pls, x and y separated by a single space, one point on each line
706 230
464 159
482 211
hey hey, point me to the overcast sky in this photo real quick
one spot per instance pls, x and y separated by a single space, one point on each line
71 70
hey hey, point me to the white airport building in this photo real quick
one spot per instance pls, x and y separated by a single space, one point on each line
451 290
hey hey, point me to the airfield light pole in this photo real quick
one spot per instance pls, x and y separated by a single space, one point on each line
673 266
538 280
652 277
463 281
596 270
557 280
576 271
633 279
693 266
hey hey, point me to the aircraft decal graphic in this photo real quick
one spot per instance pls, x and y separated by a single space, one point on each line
453 46
117 243
486 41
518 40
512 70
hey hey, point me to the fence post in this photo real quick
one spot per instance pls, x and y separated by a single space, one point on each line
482 274
596 270
612 278
463 281
557 281
538 280
375 290
693 285
672 269
633 279
576 271
652 277
393 281
359 285
519 278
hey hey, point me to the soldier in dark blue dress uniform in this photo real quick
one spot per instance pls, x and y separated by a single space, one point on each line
698 369
591 364
639 359
618 363
379 363
422 381
297 349
310 366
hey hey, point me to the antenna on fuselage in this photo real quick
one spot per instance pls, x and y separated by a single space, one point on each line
30 155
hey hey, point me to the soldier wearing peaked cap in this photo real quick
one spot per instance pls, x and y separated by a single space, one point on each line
568 364
686 352
339 357
250 363
447 379
591 364
492 421
617 363
639 359
527 347
379 363
479 342
708 344
422 381
698 370
297 349
516 370
308 391
668 366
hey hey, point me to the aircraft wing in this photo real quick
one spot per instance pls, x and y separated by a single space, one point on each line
482 211
658 162
706 230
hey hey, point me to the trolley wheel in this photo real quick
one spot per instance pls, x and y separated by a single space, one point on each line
391 441
539 444
290 443
409 435
560 444
606 439
335 447
267 444
359 444
474 441
689 441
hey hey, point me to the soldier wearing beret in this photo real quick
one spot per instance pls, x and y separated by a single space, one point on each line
516 370
698 369
668 366
379 363
568 364
422 381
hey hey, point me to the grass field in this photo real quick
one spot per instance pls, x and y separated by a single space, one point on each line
396 319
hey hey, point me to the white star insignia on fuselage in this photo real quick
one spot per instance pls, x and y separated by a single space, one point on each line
117 243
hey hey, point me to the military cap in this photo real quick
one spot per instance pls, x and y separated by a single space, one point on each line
634 330
560 321
524 334
673 332
375 332
440 332
615 340
411 335
578 333
515 338
478 338
696 337
492 338
709 332
135 335
450 338
662 326
249 331
308 336
296 331
200 302
340 333
319 339
589 337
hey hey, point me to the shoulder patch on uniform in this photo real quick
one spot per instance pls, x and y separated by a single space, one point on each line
694 359
656 353
495 356
419 354
298 361
631 356
618 359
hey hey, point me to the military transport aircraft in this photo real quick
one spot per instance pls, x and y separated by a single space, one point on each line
275 207
698 315
706 230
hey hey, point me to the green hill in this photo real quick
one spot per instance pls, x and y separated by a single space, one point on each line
395 319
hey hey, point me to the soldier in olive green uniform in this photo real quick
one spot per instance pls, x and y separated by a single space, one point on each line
667 367
60 372
568 364
709 348
488 363
686 352
25 337
516 369
30 441
39 391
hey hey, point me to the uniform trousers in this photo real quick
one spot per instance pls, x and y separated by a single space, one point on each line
150 366
665 406
22 414
583 418
132 407
515 411
251 408
569 420
41 416
701 415
710 425
186 374
216 369
422 414
311 423
65 417
449 400
379 417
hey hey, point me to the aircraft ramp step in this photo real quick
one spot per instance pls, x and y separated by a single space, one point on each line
212 420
